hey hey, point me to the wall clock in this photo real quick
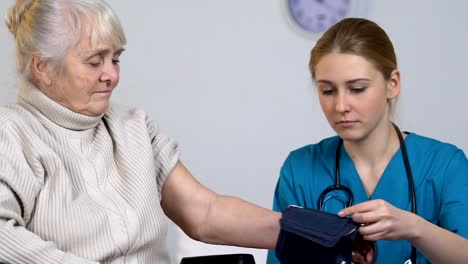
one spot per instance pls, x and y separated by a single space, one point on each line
313 17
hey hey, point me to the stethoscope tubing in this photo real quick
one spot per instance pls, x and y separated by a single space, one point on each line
338 186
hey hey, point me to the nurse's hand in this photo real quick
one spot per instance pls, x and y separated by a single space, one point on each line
381 220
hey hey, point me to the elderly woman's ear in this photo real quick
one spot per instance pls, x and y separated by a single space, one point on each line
40 71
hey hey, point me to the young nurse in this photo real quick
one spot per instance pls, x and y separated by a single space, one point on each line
415 210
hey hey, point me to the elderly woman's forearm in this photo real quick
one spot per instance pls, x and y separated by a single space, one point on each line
233 221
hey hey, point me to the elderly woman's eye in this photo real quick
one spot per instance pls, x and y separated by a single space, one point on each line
94 62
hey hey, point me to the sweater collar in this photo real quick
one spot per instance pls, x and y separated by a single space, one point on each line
56 112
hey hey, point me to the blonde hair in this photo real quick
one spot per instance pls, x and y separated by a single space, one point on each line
357 36
49 28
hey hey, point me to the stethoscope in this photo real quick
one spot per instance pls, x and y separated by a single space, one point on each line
338 187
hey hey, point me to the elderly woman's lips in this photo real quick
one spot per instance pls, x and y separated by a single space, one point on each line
104 92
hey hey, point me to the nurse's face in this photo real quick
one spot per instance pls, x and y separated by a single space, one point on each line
88 78
354 95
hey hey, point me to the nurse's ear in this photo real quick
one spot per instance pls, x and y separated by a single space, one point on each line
393 85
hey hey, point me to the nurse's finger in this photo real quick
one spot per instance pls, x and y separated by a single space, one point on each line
361 207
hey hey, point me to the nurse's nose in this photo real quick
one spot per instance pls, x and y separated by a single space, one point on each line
342 102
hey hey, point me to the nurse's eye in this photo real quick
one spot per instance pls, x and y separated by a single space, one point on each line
358 89
326 88
116 61
328 91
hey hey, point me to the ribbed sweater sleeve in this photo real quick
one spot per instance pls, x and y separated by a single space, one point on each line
165 152
18 191
18 245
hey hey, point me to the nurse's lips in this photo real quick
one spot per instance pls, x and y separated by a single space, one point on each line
346 123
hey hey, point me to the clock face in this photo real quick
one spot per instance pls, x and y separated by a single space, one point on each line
316 16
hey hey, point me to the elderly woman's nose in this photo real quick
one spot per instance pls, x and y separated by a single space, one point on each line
110 72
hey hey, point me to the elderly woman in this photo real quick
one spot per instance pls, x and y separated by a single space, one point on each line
86 181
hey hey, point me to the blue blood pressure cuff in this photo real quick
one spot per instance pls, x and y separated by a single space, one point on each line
313 236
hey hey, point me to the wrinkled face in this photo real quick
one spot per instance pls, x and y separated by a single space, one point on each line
88 78
354 95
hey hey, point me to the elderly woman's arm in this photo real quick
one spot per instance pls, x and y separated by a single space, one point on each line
217 219
19 245
18 192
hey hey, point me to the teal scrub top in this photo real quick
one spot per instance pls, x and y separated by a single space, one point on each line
440 174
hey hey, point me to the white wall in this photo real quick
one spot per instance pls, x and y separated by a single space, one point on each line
228 79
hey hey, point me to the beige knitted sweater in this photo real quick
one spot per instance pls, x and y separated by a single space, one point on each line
81 189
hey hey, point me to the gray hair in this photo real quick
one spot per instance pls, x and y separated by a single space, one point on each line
50 28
